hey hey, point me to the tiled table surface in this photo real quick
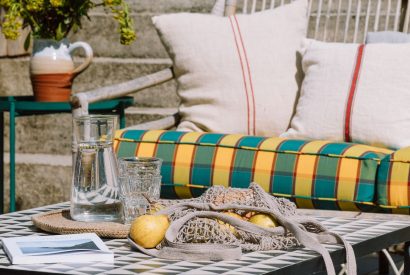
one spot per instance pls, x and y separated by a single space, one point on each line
364 234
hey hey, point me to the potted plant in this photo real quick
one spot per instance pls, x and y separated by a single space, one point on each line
51 67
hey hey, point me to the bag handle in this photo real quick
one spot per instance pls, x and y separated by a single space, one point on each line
313 243
193 252
333 238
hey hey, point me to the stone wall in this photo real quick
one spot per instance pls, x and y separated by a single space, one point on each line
43 142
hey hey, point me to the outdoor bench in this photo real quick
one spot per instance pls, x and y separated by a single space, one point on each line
314 174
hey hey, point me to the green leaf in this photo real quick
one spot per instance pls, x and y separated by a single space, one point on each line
60 32
75 28
27 42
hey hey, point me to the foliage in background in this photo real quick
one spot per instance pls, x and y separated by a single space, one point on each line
54 19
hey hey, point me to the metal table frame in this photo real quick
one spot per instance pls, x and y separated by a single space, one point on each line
19 106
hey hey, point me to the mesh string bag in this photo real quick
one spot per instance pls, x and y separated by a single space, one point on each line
207 228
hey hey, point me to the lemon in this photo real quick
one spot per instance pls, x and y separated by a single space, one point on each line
227 225
149 230
264 220
233 215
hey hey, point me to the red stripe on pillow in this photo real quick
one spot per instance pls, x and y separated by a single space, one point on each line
249 75
352 91
408 188
243 73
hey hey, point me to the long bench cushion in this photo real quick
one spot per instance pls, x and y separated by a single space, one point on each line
393 182
315 174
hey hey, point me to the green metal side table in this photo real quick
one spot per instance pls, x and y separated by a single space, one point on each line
26 106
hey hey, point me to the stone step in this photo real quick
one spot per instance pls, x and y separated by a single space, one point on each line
102 35
41 179
15 79
138 115
166 6
51 134
101 31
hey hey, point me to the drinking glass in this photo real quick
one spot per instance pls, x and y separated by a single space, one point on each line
139 181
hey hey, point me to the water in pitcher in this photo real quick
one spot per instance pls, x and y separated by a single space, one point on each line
95 189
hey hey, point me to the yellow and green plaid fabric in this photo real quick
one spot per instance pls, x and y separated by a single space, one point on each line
314 174
393 182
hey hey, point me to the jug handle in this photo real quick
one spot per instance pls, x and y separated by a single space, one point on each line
88 55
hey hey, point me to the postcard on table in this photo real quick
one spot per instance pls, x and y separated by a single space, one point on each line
77 248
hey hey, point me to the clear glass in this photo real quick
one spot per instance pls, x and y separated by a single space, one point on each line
94 195
140 181
142 166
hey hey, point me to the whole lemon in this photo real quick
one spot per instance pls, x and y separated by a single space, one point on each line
264 220
149 230
233 215
227 225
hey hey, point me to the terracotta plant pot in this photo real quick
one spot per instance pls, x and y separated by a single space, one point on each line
52 68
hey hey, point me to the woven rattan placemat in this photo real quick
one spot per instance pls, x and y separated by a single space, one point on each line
60 222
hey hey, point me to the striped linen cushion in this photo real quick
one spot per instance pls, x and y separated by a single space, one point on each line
343 95
393 182
314 174
222 67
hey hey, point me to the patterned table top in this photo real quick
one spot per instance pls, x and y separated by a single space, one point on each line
365 235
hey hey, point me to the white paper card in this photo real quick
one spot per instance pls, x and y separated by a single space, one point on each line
78 248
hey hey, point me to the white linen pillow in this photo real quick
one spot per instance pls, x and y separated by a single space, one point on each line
374 78
236 74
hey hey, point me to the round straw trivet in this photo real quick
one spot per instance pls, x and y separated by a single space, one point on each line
60 222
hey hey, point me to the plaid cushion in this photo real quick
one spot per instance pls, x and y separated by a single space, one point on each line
314 174
393 182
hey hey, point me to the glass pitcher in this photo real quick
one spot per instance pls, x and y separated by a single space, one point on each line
94 194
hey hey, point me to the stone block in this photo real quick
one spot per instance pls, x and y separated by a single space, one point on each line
167 6
38 185
102 34
49 134
15 77
141 118
104 72
163 95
